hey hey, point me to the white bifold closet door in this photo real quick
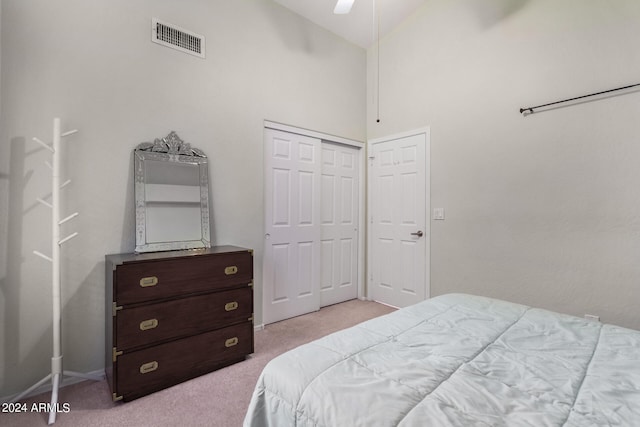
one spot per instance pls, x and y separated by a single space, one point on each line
339 219
310 254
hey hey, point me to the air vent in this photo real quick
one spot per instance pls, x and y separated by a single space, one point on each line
177 38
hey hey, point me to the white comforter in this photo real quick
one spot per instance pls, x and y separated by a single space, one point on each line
457 360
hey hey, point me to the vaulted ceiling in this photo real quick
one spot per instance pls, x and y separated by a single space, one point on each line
360 25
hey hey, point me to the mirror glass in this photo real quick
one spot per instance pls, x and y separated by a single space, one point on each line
172 196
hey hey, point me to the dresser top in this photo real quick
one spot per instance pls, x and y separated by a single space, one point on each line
118 259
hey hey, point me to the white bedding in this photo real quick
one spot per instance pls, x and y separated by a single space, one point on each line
457 360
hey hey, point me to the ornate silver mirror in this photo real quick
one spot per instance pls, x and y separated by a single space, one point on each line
172 196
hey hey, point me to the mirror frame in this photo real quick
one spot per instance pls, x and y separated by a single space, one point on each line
170 149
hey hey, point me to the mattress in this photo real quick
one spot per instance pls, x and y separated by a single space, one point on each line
457 360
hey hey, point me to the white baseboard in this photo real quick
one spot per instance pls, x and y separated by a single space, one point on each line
259 327
45 388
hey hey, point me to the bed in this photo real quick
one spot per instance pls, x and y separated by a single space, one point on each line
457 360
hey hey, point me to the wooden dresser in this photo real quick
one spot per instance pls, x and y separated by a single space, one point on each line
172 316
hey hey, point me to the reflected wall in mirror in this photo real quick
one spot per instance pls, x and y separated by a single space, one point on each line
172 196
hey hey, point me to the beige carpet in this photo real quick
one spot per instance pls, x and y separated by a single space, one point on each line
218 399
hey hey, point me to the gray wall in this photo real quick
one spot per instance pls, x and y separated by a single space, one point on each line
93 65
545 209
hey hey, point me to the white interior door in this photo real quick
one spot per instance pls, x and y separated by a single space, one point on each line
399 231
291 281
339 247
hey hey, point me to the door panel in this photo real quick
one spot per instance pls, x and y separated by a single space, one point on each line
399 257
340 176
292 240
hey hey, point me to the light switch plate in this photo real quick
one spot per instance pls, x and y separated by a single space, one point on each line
438 213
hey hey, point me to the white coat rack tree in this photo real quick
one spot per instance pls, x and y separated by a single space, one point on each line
57 372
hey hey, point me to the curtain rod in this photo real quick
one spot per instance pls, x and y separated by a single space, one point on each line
530 109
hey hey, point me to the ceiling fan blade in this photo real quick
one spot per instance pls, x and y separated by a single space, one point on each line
343 7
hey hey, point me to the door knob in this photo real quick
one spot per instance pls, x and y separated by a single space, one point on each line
418 233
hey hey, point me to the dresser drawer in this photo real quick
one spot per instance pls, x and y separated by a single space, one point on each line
137 282
142 372
149 324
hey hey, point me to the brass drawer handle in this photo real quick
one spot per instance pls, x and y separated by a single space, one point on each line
231 270
145 282
230 306
145 325
231 342
148 367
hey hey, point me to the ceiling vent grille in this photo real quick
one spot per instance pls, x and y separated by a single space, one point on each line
177 38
